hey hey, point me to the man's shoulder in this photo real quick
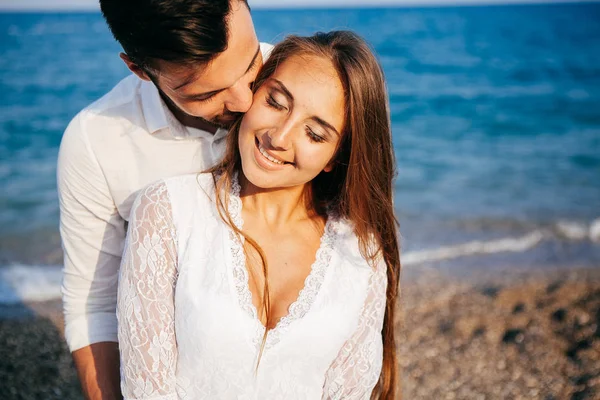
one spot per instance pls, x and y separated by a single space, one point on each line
119 104
265 49
121 94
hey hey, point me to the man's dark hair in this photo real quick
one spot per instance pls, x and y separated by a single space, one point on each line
183 31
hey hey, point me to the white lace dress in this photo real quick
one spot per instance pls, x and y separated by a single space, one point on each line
187 325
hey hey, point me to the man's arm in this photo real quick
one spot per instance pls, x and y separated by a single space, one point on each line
98 370
92 236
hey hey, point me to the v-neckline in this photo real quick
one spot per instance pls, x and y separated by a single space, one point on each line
312 283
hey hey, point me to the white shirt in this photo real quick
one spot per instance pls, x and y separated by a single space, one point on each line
188 328
110 150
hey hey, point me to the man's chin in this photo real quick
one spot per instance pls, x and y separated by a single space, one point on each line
224 121
210 124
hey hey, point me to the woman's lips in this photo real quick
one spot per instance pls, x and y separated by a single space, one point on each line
267 160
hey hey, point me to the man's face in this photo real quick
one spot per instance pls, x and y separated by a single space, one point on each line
210 96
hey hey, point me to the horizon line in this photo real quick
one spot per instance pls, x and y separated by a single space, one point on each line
20 7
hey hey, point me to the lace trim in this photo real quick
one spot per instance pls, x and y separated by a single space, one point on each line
312 283
240 273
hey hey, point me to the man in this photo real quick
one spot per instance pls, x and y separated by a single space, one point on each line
193 65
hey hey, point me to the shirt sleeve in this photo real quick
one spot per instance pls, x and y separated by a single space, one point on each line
92 235
145 305
356 369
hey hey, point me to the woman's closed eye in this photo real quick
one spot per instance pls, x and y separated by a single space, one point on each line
313 136
271 102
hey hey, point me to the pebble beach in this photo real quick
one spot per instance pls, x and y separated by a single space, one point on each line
507 334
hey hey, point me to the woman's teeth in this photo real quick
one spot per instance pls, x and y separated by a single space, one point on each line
268 157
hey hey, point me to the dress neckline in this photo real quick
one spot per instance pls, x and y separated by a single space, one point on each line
312 283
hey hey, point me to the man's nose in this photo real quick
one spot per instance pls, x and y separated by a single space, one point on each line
239 97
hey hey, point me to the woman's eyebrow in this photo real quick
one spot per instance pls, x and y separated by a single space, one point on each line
281 87
325 124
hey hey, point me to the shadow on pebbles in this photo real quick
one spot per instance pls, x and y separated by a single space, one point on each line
523 335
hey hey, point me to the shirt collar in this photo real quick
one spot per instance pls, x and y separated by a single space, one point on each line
154 108
158 117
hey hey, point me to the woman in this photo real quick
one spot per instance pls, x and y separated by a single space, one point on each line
275 274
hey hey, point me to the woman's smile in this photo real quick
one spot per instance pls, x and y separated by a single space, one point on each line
293 125
267 160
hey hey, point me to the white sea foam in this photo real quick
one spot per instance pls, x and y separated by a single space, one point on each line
572 230
29 283
577 230
515 245
595 231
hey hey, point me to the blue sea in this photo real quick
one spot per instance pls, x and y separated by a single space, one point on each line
496 124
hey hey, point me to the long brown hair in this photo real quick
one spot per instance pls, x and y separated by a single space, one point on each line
359 187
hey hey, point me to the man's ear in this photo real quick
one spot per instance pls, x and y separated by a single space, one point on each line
133 67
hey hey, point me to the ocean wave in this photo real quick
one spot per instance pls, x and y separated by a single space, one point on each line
576 230
569 230
595 231
23 283
572 230
477 247
28 283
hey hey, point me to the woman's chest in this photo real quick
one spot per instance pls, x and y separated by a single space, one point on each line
208 316
287 262
214 307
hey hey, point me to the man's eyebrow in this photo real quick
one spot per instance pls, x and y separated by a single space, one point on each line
281 87
253 60
191 78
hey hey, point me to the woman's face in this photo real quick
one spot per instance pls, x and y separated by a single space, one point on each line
293 128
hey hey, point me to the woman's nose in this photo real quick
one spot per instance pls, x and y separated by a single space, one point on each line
280 137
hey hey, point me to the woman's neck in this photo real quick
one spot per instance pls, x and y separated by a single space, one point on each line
277 207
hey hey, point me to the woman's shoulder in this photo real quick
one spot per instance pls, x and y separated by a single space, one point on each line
348 246
181 194
186 188
365 273
186 199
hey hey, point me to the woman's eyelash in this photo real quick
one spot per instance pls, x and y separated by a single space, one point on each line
273 103
313 136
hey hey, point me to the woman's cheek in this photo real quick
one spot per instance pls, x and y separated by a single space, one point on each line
253 120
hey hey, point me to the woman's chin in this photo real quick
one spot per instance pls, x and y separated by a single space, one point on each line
258 178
